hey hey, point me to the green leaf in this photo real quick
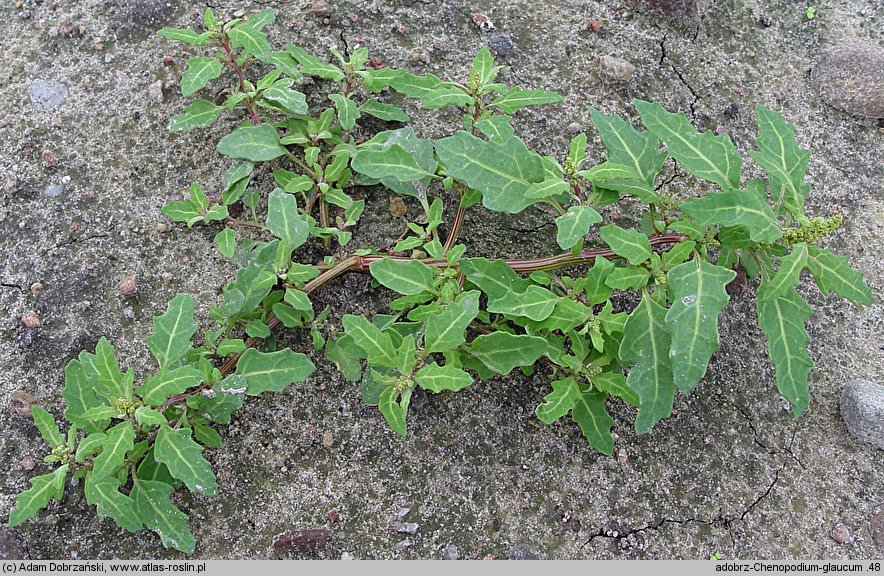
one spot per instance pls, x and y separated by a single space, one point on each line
184 459
634 186
789 272
628 278
630 244
313 66
342 351
436 378
573 226
698 297
199 114
80 394
186 36
615 385
445 329
89 446
256 143
483 68
383 111
496 128
172 331
629 147
224 398
200 71
155 509
535 303
783 160
377 345
120 439
501 351
608 171
594 284
283 219
166 383
833 273
281 95
225 240
249 38
502 171
102 368
515 98
559 402
149 417
183 211
547 188
782 321
495 278
704 155
406 82
111 503
272 372
43 488
395 410
566 315
391 162
645 348
45 423
259 20
737 208
298 299
445 96
406 277
595 423
348 113
231 346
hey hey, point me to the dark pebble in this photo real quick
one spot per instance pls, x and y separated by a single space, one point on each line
501 44
862 409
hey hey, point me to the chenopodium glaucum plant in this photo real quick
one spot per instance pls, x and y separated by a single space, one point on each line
456 318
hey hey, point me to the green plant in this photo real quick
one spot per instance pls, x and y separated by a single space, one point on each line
455 318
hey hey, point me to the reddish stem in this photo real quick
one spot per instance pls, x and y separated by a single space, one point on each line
231 61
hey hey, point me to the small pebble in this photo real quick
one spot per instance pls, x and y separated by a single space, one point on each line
397 207
28 462
841 535
574 128
327 439
20 403
850 77
129 286
862 409
616 68
155 91
128 313
450 553
525 552
405 527
30 319
484 23
347 556
53 190
876 525
320 9
49 158
36 289
47 95
500 44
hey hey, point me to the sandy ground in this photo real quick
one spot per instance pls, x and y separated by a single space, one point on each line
732 472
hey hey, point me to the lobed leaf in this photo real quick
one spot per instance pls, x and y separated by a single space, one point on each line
645 349
407 277
704 155
169 382
535 303
493 277
272 371
377 345
199 114
788 274
45 423
782 321
445 329
560 401
184 459
501 351
833 274
698 297
515 98
395 409
111 503
502 171
155 509
283 220
392 162
200 71
382 111
594 421
627 146
630 244
574 225
437 378
737 208
172 331
783 160
348 113
120 439
256 143
43 489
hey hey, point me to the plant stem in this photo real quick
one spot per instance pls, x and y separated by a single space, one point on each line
231 61
362 263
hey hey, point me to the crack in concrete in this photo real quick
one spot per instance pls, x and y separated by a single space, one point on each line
11 286
663 57
73 241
